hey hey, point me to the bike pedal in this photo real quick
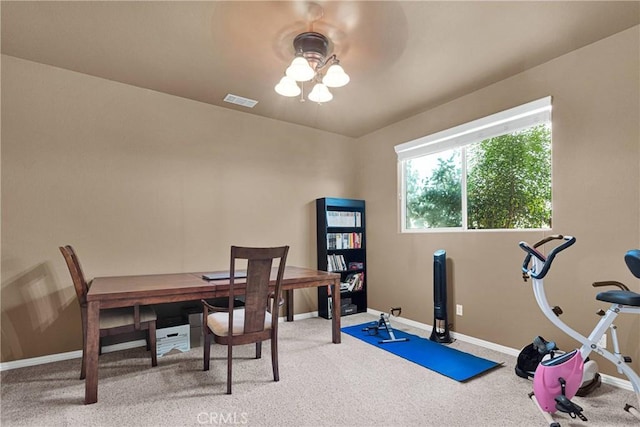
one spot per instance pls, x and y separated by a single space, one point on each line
627 359
565 405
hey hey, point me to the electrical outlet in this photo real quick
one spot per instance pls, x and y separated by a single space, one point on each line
603 341
459 309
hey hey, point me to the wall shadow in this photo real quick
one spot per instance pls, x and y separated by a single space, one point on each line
37 317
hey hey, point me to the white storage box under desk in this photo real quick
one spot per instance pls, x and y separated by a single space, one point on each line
174 337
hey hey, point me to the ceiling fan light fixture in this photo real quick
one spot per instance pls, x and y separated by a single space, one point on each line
312 56
287 87
300 70
320 93
335 76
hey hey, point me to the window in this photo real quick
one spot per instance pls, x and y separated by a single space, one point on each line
492 173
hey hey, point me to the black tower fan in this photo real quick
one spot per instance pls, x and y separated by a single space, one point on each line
440 332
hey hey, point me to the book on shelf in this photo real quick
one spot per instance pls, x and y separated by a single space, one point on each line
336 263
344 241
344 219
355 282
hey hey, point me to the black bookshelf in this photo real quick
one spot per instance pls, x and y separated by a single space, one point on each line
342 246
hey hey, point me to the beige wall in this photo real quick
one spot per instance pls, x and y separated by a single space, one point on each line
144 182
141 182
596 189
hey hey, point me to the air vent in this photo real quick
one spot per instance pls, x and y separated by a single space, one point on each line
238 100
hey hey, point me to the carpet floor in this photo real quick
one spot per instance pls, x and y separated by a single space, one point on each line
321 384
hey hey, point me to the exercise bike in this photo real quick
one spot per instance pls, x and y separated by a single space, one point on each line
557 380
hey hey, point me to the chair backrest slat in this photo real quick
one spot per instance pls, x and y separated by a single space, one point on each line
257 294
259 268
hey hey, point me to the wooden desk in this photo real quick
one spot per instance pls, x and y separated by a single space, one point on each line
126 291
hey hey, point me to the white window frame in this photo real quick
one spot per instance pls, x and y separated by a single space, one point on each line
508 121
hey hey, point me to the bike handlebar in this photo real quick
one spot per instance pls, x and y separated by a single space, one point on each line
547 260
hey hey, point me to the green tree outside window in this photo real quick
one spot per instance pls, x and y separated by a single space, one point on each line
508 184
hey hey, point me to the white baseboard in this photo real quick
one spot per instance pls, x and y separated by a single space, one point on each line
22 363
302 316
606 379
616 382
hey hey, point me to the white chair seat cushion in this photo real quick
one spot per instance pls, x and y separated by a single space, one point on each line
116 317
218 322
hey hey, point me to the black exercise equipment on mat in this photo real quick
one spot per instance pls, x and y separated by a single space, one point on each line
385 324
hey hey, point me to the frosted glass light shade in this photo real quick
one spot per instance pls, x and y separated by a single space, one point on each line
287 87
300 70
335 76
320 93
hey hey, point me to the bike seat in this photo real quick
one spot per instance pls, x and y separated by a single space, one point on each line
632 258
620 297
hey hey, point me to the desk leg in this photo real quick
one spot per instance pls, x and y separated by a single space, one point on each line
93 343
288 304
335 316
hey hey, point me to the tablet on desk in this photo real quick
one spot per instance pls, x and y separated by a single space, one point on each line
225 275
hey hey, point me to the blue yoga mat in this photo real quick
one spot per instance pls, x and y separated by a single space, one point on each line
447 361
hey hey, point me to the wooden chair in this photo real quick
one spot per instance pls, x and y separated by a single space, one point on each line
113 321
258 319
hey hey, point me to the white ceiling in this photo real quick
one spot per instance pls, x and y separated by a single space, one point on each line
403 57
